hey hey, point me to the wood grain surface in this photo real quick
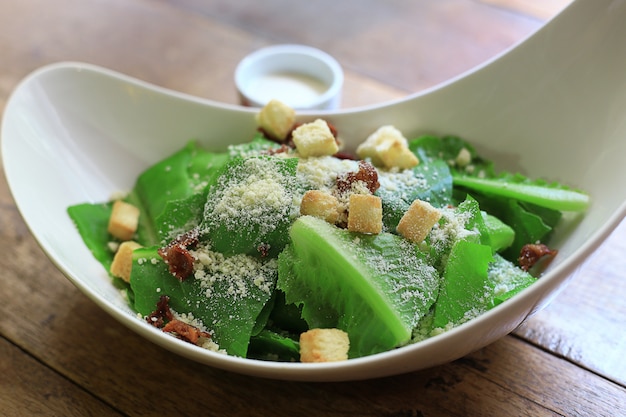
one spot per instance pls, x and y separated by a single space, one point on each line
60 355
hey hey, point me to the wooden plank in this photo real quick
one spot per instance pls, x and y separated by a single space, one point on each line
562 387
28 388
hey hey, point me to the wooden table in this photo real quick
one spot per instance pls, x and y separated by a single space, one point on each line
61 355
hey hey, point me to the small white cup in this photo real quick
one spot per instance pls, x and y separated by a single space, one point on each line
300 76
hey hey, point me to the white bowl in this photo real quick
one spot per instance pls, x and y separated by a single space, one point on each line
554 107
300 76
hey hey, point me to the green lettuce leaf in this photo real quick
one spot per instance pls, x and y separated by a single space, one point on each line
538 192
463 294
163 185
270 345
91 221
250 207
505 280
374 287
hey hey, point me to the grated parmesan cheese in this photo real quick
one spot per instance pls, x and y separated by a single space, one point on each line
321 173
242 272
451 228
254 194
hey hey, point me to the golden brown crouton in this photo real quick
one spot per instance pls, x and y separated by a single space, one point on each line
123 221
123 260
365 214
320 204
387 147
324 345
418 220
276 119
314 139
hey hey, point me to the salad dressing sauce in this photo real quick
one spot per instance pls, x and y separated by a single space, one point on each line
298 90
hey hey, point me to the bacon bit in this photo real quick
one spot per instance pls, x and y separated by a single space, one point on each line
180 261
157 317
283 149
366 173
181 329
534 252
332 128
289 138
185 331
177 256
263 249
345 155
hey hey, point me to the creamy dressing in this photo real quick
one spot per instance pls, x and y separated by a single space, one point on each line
296 90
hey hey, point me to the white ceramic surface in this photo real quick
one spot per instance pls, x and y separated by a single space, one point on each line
554 106
314 75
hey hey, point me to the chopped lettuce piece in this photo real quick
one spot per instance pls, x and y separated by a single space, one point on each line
180 216
270 345
184 213
506 279
91 221
374 287
501 235
475 280
463 294
148 195
286 318
538 192
250 207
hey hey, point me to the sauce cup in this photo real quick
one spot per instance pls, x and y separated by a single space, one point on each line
302 77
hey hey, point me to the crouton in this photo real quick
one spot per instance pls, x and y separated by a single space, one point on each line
276 119
314 139
324 345
388 148
464 158
123 221
365 214
123 260
320 204
417 221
